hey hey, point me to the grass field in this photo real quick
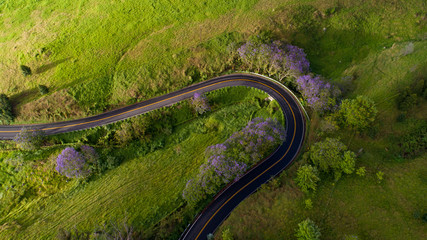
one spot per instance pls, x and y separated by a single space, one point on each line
96 55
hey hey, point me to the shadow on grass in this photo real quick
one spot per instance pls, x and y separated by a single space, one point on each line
49 66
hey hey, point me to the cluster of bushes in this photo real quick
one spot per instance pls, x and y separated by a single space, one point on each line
227 161
331 156
414 143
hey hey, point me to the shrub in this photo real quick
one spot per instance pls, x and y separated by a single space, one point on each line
43 89
414 143
331 155
307 178
307 230
308 203
380 176
6 115
361 171
407 100
72 164
29 139
357 113
26 71
227 235
200 103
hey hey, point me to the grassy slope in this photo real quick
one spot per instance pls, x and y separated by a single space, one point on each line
144 189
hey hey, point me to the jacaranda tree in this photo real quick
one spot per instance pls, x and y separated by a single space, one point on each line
74 164
320 95
200 103
29 139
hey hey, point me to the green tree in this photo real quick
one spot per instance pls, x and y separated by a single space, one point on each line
43 89
307 230
26 71
6 115
307 178
331 155
357 113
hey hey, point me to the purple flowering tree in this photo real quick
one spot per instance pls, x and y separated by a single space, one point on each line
200 103
275 59
72 164
29 139
230 160
320 95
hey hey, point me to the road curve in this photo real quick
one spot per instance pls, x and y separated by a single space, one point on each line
224 202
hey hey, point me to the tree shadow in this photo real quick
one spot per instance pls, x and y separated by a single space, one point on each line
49 66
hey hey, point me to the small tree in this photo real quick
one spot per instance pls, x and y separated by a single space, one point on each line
29 139
6 115
307 230
332 155
72 164
43 89
307 178
357 113
200 103
26 71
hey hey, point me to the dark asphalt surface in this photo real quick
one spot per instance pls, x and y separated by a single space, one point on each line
219 209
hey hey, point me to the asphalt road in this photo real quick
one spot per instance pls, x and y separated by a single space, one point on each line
222 205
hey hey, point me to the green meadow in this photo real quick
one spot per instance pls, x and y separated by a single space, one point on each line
98 55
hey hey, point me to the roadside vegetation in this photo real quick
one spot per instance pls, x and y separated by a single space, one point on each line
357 66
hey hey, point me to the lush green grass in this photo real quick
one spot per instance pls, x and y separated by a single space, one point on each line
145 188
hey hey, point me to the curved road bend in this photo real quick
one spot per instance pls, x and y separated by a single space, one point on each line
222 205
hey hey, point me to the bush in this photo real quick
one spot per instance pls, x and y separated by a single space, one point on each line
414 143
6 115
29 139
307 178
26 71
307 230
43 89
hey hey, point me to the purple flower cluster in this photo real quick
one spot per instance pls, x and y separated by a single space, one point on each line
320 95
73 164
29 139
200 103
230 160
275 59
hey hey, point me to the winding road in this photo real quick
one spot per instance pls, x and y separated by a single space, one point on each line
224 202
